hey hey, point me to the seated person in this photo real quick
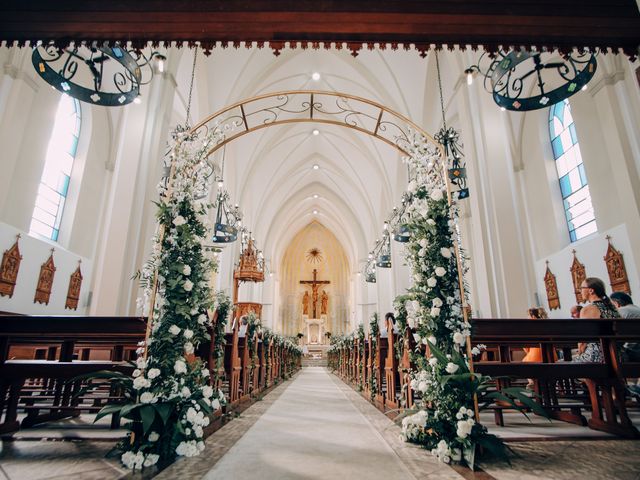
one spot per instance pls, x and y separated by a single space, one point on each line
391 316
600 306
575 311
623 302
243 326
534 354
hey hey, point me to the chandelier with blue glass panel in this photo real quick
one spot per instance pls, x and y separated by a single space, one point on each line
110 76
521 81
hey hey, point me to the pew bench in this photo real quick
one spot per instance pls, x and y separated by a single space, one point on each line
555 381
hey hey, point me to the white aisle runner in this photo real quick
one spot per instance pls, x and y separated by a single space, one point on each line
312 431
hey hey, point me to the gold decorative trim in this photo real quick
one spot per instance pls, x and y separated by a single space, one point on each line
45 281
9 269
297 106
73 292
578 274
616 269
551 286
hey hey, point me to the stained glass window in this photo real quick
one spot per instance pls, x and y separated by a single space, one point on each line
54 184
576 198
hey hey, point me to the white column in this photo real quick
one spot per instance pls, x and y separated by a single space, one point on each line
129 219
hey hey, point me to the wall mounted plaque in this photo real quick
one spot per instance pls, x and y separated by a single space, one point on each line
73 293
9 269
551 286
45 281
617 271
578 274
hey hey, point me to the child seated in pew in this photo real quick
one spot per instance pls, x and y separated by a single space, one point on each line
534 354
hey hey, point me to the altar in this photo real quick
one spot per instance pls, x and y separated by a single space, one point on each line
315 329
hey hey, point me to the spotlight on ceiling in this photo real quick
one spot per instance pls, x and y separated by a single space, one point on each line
316 132
315 195
315 212
315 76
316 166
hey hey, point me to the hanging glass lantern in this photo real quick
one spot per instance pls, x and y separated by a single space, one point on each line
370 270
383 260
227 219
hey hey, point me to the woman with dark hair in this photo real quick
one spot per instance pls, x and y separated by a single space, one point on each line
600 306
391 316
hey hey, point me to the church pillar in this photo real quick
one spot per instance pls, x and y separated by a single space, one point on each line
502 268
129 220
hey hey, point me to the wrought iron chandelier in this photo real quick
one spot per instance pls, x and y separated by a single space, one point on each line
109 76
549 78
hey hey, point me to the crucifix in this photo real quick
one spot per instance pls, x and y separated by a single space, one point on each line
314 289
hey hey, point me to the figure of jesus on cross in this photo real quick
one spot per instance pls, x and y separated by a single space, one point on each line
315 283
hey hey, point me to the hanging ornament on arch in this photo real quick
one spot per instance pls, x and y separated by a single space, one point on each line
449 138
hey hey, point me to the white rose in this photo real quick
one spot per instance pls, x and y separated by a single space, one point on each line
154 436
412 186
185 392
207 391
437 302
431 221
147 397
179 220
432 282
153 373
151 459
422 386
458 338
180 367
445 252
423 243
174 330
432 339
188 348
188 333
436 195
435 311
188 285
202 318
451 368
215 404
441 272
186 270
136 373
140 382
205 373
433 361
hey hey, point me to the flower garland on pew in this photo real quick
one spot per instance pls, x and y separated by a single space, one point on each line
361 338
173 393
223 307
445 422
374 330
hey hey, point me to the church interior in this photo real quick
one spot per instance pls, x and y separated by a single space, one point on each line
309 178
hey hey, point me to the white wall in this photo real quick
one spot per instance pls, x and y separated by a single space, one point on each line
34 253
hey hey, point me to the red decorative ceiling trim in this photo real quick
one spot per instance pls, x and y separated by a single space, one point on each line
550 24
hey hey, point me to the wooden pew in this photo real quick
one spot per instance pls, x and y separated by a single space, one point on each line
391 368
41 388
379 360
604 381
405 366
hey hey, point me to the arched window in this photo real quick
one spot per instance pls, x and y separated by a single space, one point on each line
54 184
573 179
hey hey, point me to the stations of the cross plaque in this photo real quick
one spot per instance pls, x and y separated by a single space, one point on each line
315 283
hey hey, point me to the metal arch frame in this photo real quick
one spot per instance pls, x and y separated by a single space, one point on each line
311 110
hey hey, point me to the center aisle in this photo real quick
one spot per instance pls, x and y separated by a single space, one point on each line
312 431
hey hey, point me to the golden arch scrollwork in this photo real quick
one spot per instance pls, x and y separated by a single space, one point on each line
298 106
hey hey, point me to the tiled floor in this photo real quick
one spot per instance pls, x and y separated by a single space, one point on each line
293 402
